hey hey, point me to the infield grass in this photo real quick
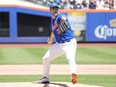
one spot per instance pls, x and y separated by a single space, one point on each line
100 80
34 56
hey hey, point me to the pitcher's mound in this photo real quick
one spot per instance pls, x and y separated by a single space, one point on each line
52 84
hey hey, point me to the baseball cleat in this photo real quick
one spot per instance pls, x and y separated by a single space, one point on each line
74 78
43 80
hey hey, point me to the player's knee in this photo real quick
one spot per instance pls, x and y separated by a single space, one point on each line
45 60
70 61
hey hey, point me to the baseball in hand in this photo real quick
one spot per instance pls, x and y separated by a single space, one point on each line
49 41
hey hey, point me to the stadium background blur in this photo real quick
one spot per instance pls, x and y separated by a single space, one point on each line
81 4
28 21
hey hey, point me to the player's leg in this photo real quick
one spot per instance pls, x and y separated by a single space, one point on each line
70 51
52 53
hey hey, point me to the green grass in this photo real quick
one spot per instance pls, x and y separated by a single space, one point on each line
105 55
21 55
101 80
34 56
96 55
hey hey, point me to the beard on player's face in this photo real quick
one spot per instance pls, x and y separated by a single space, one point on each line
54 10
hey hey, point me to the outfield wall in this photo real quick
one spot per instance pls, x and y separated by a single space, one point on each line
30 25
101 27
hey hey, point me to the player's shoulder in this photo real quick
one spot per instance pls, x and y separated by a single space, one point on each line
62 16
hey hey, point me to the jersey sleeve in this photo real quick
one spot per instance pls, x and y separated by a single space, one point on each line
51 25
62 17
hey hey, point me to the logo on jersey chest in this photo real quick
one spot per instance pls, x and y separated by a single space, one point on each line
54 26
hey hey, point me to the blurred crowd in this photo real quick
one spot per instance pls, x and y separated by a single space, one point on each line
84 4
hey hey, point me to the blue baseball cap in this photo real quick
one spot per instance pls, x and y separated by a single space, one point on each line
54 5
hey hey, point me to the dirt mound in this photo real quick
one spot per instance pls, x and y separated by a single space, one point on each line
33 69
52 84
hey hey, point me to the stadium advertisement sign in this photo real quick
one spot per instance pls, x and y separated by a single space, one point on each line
101 27
78 23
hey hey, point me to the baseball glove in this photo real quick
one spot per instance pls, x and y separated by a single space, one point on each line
63 26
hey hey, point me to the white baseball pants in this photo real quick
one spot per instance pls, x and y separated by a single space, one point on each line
69 48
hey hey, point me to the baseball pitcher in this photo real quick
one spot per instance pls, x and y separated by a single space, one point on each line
65 43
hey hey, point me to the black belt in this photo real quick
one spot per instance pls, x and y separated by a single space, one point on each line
65 41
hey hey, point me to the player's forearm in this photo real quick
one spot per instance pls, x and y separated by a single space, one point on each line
51 36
